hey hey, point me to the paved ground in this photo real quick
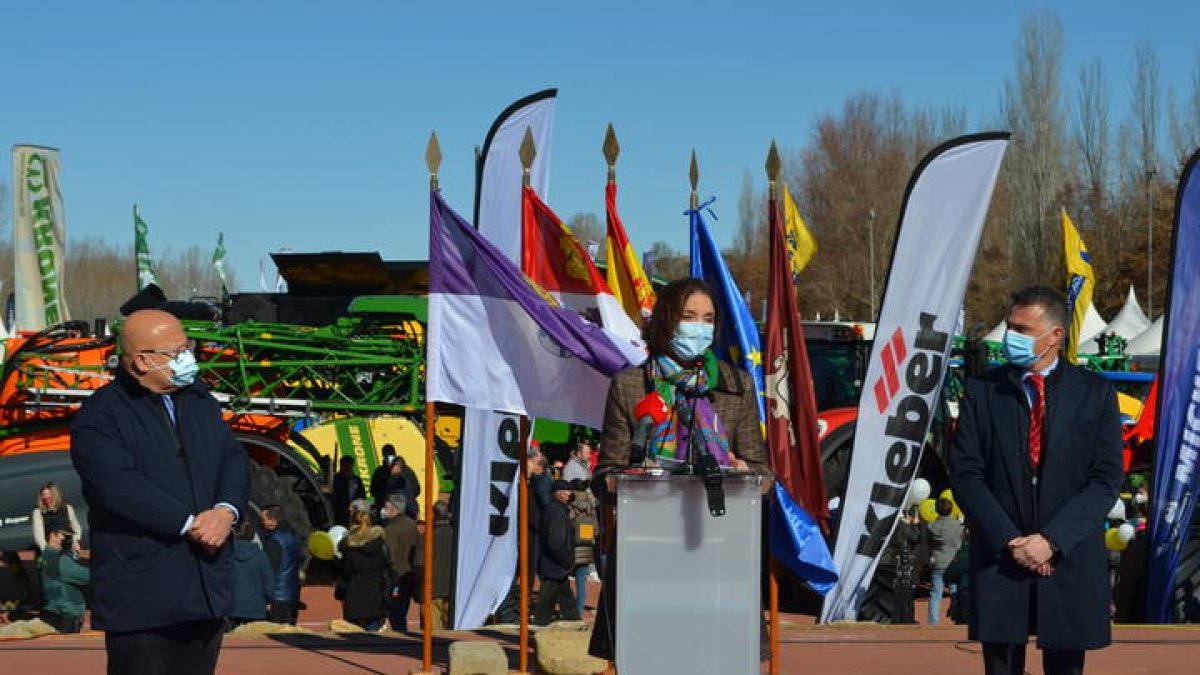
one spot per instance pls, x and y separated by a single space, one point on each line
826 650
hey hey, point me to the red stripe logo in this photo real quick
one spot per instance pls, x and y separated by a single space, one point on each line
886 387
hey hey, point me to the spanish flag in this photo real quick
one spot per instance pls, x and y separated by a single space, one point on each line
800 242
626 278
1080 282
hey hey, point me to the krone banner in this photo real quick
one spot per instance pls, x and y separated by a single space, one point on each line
39 237
940 224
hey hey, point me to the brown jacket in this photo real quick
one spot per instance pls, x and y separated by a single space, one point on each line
734 400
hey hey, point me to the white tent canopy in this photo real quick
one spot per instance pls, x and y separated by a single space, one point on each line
1149 342
1128 323
1093 324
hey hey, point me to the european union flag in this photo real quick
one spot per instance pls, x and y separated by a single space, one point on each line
737 336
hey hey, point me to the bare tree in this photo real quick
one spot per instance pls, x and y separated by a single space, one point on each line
1035 169
665 262
1185 120
748 257
1146 116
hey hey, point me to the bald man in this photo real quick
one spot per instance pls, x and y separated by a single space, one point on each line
165 480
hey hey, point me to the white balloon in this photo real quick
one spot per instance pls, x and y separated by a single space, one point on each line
337 533
1118 510
1125 532
919 492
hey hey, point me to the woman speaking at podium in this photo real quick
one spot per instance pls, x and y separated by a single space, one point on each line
682 391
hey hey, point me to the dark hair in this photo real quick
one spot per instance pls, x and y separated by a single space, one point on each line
668 310
245 531
273 511
345 458
441 512
944 506
1053 304
388 449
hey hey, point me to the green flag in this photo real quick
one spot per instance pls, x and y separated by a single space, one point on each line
219 264
141 251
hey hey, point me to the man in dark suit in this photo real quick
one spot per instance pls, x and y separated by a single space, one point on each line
165 480
1036 467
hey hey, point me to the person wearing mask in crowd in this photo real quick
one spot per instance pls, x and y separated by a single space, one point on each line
253 580
402 480
583 522
578 470
401 536
366 577
945 536
558 558
347 487
284 551
54 514
1036 467
443 565
540 496
165 479
706 396
63 582
381 475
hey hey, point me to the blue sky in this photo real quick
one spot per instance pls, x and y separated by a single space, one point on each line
303 125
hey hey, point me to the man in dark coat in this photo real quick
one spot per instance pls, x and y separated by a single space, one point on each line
347 487
286 555
558 558
1036 468
165 480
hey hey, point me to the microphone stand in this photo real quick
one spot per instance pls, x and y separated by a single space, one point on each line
701 462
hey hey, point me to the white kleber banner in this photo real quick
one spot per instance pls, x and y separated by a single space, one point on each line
940 226
487 515
498 171
39 239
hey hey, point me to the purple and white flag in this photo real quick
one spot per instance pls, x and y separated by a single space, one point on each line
497 342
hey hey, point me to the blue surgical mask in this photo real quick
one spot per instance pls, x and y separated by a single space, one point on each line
1018 348
692 339
183 368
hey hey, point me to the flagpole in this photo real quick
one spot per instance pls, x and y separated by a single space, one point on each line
772 167
694 177
433 160
527 154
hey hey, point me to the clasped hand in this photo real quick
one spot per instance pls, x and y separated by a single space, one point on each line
211 528
1033 552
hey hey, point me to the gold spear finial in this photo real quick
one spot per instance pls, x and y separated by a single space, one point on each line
694 177
612 149
527 153
433 159
773 171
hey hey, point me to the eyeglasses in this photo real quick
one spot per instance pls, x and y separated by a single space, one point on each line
188 346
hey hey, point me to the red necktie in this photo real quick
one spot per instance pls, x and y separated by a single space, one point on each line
1037 417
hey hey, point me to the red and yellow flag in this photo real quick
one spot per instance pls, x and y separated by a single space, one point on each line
626 278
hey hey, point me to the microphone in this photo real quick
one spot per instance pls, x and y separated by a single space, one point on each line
650 412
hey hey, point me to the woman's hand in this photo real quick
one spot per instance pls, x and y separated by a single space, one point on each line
738 464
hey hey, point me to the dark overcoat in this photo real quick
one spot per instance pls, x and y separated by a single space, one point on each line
142 477
1066 500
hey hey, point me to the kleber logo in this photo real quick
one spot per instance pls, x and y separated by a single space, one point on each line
912 374
886 387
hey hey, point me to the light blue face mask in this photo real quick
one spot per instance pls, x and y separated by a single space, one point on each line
692 339
183 368
1018 348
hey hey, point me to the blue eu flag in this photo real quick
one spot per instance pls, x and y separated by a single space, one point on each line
737 337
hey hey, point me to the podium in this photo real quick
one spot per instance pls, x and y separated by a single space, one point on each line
688 584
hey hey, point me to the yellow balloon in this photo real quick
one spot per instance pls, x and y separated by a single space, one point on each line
928 510
320 545
1112 539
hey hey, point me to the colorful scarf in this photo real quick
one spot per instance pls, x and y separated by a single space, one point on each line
686 392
